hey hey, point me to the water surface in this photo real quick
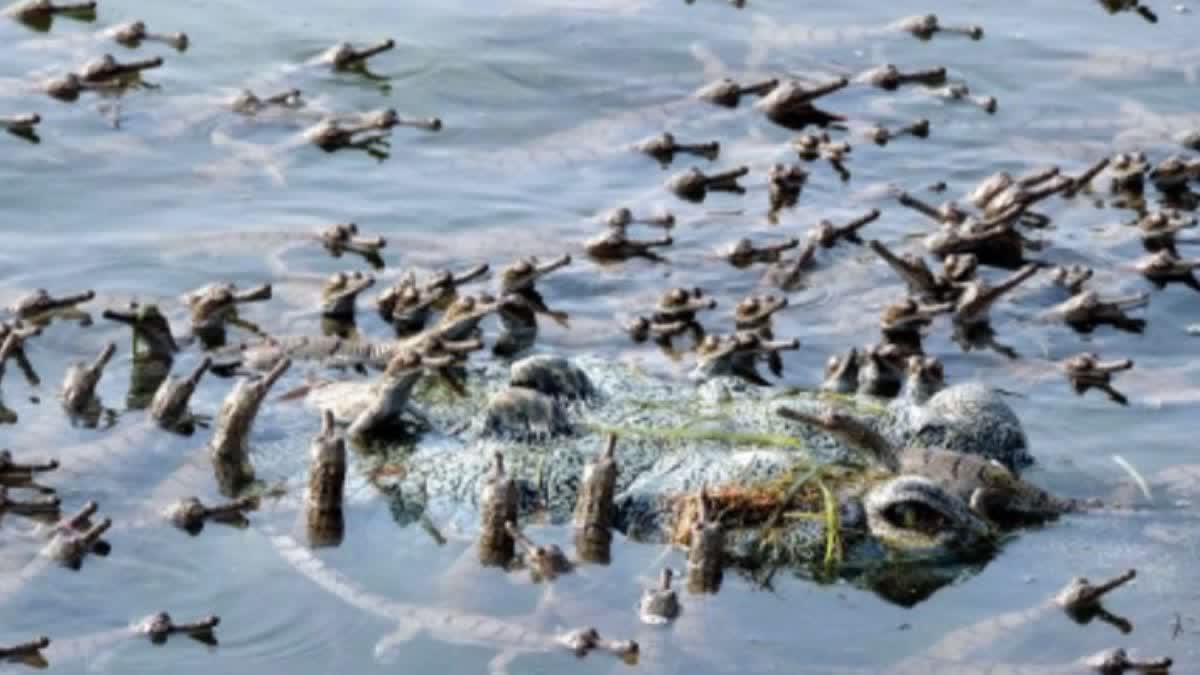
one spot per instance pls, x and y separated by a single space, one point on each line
162 191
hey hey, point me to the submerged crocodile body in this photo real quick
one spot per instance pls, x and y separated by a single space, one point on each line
548 417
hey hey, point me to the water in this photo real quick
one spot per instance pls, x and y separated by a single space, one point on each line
167 191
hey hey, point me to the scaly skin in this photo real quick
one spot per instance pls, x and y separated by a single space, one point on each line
1085 371
547 442
107 69
664 147
229 447
21 474
39 14
744 252
790 104
157 628
992 491
79 388
43 506
323 515
215 306
882 136
134 33
39 307
1085 310
11 347
190 514
727 93
694 185
343 56
248 103
659 605
784 184
890 78
340 293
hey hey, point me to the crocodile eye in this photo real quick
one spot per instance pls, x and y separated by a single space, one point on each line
917 516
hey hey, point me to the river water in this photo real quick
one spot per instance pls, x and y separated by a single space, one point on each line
149 196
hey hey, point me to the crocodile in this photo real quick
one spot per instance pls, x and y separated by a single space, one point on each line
157 628
408 305
214 306
459 323
39 307
881 135
340 292
74 537
28 653
228 448
790 104
12 348
1086 309
784 184
21 474
70 540
40 506
613 244
342 238
744 253
344 56
664 147
694 185
992 491
79 389
890 78
1086 371
729 439
1163 268
1160 230
134 33
659 605
106 69
1080 599
190 514
332 132
23 125
40 14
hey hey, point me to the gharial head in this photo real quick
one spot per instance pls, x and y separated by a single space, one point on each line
925 377
841 372
523 273
151 330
